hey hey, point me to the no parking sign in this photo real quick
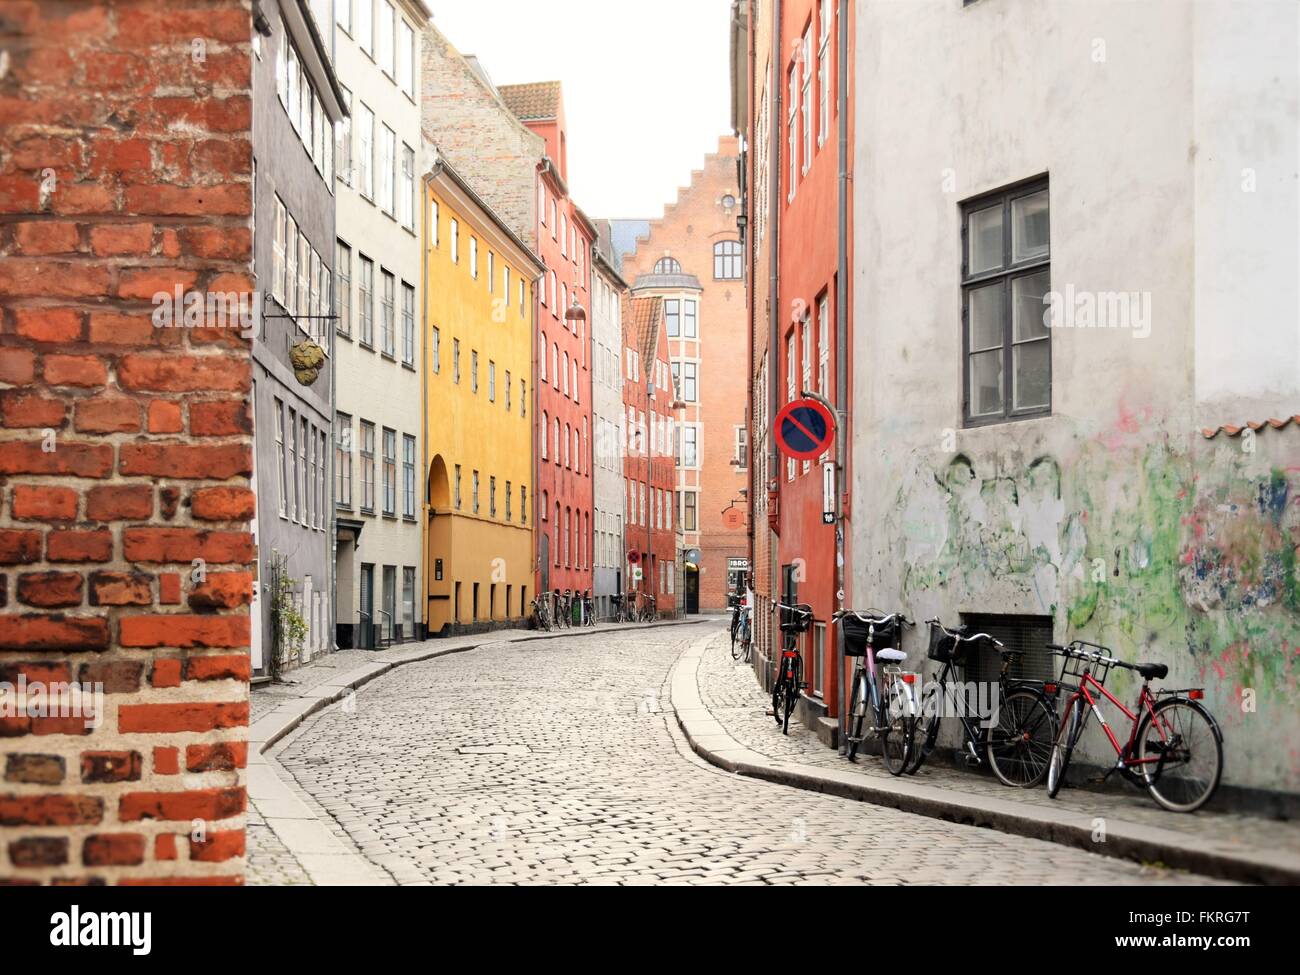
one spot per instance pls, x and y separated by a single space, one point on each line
804 429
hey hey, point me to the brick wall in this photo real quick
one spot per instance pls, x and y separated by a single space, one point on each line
125 449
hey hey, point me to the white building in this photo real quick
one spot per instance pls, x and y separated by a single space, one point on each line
378 466
1130 169
607 422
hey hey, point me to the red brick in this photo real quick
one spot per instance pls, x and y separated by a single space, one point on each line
46 237
84 198
166 672
182 374
166 760
196 804
17 366
149 544
165 417
166 718
117 676
75 370
121 589
164 847
223 756
144 283
34 769
38 632
19 547
221 844
223 243
169 589
49 589
231 200
75 545
119 502
113 328
57 326
50 810
23 409
168 498
223 590
46 672
223 667
183 631
219 880
222 504
186 461
162 25
43 278
42 502
113 850
76 459
107 414
111 766
220 418
117 239
49 851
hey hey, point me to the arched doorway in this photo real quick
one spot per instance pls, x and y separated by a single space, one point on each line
437 574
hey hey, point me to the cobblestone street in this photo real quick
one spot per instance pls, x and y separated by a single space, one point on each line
559 761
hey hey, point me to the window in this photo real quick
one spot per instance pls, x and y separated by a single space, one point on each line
742 447
474 496
408 324
523 505
673 317
343 14
366 296
343 287
505 285
555 365
568 460
1005 276
408 476
522 298
690 328
690 445
824 18
322 475
291 266
308 446
564 236
344 149
473 370
387 165
386 327
546 425
405 58
367 466
541 204
792 124
508 387
387 47
436 352
280 457
492 381
555 311
523 397
366 26
542 358
456 488
690 391
455 360
343 460
727 261
558 443
406 191
510 493
806 54
574 383
492 496
278 252
433 223
823 346
667 265
366 150
553 225
455 241
408 601
564 374
491 271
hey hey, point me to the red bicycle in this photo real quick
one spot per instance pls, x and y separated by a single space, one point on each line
1175 747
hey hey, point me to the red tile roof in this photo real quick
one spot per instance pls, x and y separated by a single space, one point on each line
535 100
644 323
1232 431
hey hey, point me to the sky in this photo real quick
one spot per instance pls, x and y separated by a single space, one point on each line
646 89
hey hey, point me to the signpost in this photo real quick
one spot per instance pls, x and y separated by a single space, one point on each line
805 429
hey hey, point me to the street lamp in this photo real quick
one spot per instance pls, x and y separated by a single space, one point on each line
575 312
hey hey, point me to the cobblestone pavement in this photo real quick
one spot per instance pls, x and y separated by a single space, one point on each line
731 692
269 862
559 761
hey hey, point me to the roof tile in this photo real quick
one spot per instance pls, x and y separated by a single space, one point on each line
534 100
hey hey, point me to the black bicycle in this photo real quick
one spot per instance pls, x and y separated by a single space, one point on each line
1015 739
588 609
733 604
795 619
882 693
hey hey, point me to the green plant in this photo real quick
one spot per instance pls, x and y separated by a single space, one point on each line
288 628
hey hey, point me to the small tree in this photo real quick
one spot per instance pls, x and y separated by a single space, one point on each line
288 628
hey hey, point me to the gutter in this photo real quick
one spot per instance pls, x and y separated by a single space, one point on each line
774 220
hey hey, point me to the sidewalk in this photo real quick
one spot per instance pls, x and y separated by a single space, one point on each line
291 840
724 714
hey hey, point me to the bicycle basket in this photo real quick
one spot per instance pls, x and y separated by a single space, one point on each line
856 631
796 620
945 648
1074 662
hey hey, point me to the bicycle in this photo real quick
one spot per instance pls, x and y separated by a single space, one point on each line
796 619
588 609
733 603
647 613
1170 730
746 634
886 693
1018 746
561 614
540 617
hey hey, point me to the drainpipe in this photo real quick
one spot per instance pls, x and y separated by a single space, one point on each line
841 313
774 224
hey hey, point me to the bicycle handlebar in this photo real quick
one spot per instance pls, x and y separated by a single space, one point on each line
968 639
1073 649
878 620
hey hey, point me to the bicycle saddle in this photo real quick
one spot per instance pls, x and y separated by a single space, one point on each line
890 655
1153 671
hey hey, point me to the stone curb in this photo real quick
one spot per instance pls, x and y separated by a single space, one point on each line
1129 841
325 858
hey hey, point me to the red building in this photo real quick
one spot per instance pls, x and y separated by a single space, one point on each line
563 368
649 469
800 213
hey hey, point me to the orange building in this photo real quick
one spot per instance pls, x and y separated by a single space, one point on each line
691 258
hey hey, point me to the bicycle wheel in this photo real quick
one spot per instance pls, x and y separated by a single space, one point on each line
791 692
856 715
1019 746
1189 746
900 728
778 696
1067 736
928 734
735 651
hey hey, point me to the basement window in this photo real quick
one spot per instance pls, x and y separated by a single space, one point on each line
1030 634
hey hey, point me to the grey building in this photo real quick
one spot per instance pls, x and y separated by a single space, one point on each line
608 487
296 103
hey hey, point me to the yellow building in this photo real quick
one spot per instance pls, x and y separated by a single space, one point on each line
478 435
